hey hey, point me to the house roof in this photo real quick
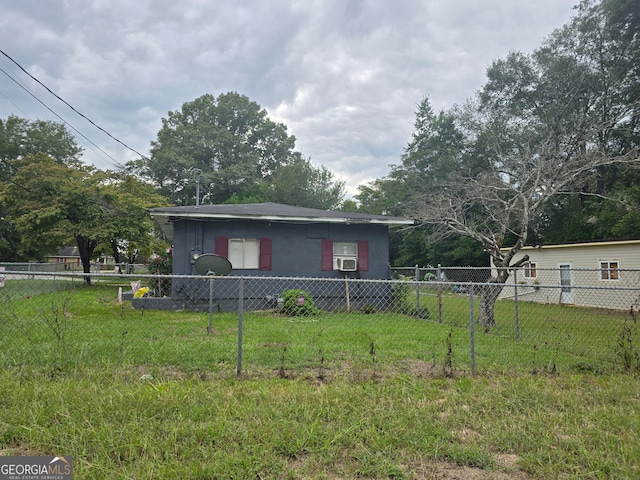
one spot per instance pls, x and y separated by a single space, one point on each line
68 252
578 245
270 212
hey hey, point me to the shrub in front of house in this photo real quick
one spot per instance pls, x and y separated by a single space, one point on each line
298 302
161 265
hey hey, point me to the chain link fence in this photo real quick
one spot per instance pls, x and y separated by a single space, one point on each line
424 321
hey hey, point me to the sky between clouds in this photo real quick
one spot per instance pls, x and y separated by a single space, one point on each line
344 76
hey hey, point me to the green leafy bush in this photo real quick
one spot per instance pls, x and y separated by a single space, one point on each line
368 308
401 293
161 265
297 302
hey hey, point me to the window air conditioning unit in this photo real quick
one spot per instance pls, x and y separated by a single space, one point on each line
346 264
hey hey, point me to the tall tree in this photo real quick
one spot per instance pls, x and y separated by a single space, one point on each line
18 138
53 204
545 125
124 202
228 143
598 53
436 150
302 184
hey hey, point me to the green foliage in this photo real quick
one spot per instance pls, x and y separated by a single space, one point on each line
302 184
20 138
627 346
298 302
229 139
416 247
368 309
161 265
401 292
53 204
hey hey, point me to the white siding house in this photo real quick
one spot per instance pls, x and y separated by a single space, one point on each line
597 274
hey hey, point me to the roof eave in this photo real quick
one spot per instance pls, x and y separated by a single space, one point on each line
278 218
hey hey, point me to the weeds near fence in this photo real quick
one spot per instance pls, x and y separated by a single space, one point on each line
627 349
448 368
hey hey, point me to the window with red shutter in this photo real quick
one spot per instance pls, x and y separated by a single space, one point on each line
222 246
363 255
327 254
265 254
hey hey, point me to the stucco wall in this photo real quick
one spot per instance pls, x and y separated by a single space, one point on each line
296 248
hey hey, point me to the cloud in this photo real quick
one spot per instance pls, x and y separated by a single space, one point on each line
345 77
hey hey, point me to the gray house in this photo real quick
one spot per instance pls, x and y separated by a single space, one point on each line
275 240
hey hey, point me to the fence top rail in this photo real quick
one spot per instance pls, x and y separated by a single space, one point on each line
520 268
444 285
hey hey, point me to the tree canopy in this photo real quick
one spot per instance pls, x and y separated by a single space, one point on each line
53 204
550 133
228 142
20 138
302 184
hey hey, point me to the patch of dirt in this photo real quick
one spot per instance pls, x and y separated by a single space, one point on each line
448 471
506 469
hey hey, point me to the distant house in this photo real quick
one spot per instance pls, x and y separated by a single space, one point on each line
276 240
572 267
67 258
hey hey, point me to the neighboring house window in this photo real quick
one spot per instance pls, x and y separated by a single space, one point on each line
245 253
609 270
334 252
530 270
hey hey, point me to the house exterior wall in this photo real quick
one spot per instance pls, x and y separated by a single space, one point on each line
583 268
296 251
66 263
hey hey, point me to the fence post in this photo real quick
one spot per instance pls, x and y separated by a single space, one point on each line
472 332
240 319
439 277
417 278
210 327
515 298
29 280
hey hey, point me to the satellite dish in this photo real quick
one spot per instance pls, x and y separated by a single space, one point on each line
211 264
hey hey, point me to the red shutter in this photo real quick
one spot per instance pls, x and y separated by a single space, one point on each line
363 255
265 254
327 254
222 246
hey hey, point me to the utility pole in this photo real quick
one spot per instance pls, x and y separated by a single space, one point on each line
197 172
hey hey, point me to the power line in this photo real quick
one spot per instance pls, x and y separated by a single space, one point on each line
62 119
71 107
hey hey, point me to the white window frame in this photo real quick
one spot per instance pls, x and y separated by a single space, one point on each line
244 253
344 250
530 270
609 270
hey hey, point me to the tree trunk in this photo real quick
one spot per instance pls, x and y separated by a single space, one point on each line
491 291
116 251
86 248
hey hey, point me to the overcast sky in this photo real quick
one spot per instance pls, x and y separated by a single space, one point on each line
344 76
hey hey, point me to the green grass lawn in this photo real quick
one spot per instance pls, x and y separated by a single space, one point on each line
149 394
79 326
